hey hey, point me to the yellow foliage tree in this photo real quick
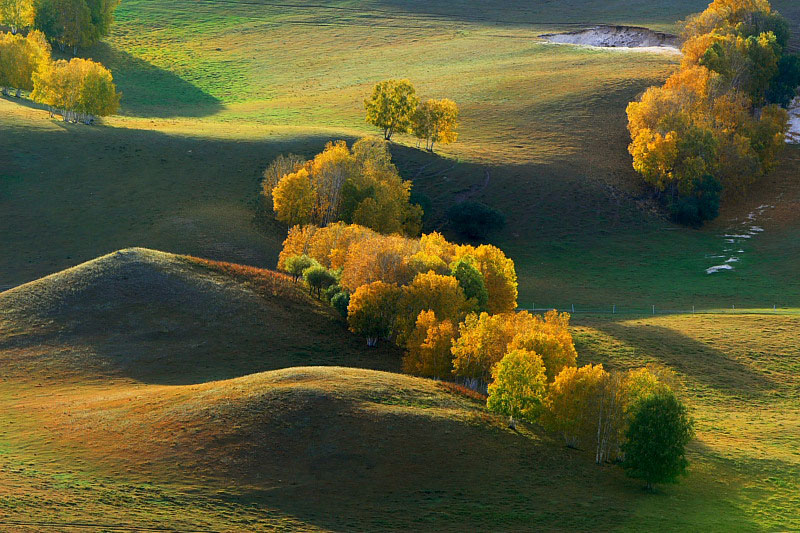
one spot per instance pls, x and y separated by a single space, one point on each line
293 198
499 275
371 312
436 121
429 292
17 14
429 347
20 58
571 403
391 106
483 340
518 386
551 339
80 89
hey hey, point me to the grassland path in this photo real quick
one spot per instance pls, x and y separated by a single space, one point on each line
474 190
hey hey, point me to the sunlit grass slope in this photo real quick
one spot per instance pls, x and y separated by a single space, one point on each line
147 389
215 89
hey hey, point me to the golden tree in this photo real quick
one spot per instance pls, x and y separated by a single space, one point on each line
436 121
371 312
391 106
293 198
429 291
518 386
16 14
429 347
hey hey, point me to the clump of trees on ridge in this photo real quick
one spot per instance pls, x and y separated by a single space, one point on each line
717 124
395 108
452 308
358 185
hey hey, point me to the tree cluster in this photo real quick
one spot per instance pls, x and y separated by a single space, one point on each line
395 108
20 58
452 308
633 418
67 23
424 274
78 89
359 186
717 123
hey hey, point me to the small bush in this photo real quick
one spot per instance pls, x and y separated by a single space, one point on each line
475 220
318 278
340 302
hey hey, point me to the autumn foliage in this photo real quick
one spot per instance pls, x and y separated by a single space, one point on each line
395 108
716 124
359 186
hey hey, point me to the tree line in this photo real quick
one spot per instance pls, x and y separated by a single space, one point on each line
66 23
452 309
359 185
395 108
718 123
78 89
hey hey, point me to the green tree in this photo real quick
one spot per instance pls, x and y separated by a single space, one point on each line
656 439
471 280
391 106
340 302
518 386
318 278
297 264
74 23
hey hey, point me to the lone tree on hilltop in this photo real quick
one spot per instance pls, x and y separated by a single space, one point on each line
391 106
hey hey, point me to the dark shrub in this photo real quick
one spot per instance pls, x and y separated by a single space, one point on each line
475 220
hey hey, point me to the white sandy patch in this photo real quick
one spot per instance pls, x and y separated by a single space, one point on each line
794 122
715 269
623 38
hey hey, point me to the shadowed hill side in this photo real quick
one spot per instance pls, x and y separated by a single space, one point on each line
161 318
350 450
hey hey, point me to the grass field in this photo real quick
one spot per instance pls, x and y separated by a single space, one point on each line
148 390
214 90
142 408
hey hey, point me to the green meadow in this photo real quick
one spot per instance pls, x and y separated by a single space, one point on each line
181 403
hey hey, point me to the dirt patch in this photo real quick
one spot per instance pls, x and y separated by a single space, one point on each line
626 37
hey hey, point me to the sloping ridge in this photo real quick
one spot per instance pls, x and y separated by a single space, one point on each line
324 444
164 318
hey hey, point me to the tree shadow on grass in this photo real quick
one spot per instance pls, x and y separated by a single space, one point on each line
150 91
696 359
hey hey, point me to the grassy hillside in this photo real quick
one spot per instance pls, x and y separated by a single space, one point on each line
214 90
157 318
146 389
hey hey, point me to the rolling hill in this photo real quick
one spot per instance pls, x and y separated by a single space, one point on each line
148 390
